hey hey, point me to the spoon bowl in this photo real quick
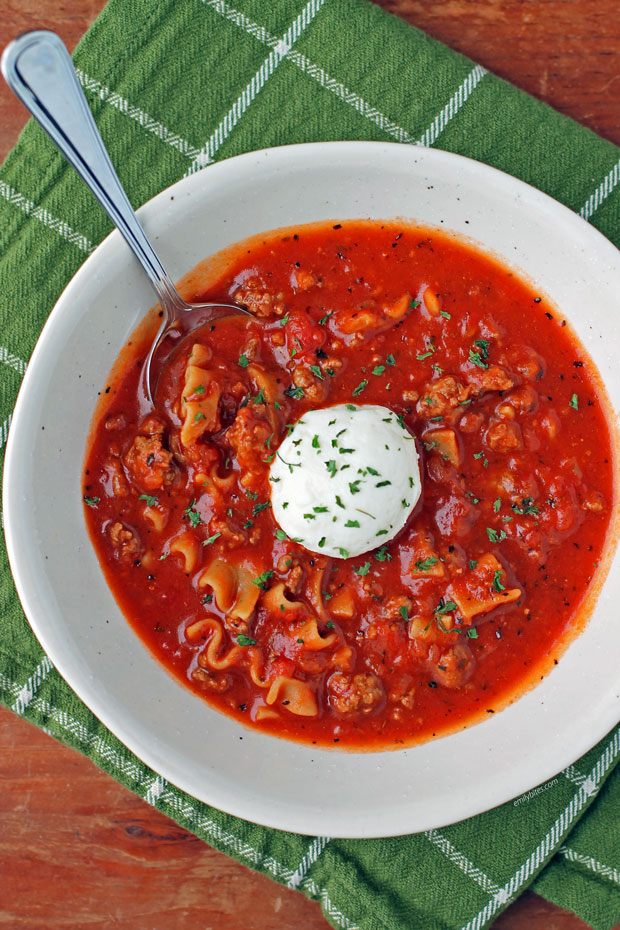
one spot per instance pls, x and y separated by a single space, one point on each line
38 69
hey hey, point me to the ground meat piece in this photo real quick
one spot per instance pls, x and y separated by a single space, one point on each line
330 365
230 531
295 578
442 398
115 421
355 694
124 540
471 422
210 680
248 438
524 360
256 296
494 378
524 399
455 666
504 436
314 389
594 501
148 462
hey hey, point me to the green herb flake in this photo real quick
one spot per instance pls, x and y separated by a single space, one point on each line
281 535
243 640
445 314
362 569
149 498
382 555
378 369
194 516
497 503
382 484
244 361
90 501
472 564
261 580
494 536
200 389
211 539
472 634
404 613
423 565
360 387
284 320
343 552
317 372
352 523
414 304
331 467
339 502
476 359
258 508
574 402
390 360
321 542
325 318
497 584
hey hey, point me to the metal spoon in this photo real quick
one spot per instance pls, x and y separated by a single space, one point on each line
39 71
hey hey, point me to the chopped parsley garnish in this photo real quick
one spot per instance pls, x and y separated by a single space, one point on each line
497 583
317 372
382 555
149 498
354 486
378 369
321 509
325 318
351 407
343 552
199 416
261 580
295 392
321 542
315 442
284 320
445 313
372 471
330 625
194 516
574 402
363 569
339 502
390 360
473 633
90 501
382 484
404 613
331 467
494 536
200 389
360 387
497 503
244 361
258 508
211 539
414 304
472 564
423 565
280 534
243 640
352 523
476 359
526 507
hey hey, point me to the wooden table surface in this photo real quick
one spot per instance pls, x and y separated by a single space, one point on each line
77 850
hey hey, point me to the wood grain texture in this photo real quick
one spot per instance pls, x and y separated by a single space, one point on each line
77 850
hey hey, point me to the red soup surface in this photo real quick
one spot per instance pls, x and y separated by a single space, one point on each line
471 602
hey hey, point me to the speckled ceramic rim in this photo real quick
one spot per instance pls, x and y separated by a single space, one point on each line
239 770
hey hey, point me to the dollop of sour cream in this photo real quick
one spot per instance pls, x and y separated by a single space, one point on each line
345 480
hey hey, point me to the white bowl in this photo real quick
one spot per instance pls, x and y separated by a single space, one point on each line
62 589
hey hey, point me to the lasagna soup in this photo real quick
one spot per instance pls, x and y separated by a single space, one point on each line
370 512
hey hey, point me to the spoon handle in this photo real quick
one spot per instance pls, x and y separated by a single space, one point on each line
39 71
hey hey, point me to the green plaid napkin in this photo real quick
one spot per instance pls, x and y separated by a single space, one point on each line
174 85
